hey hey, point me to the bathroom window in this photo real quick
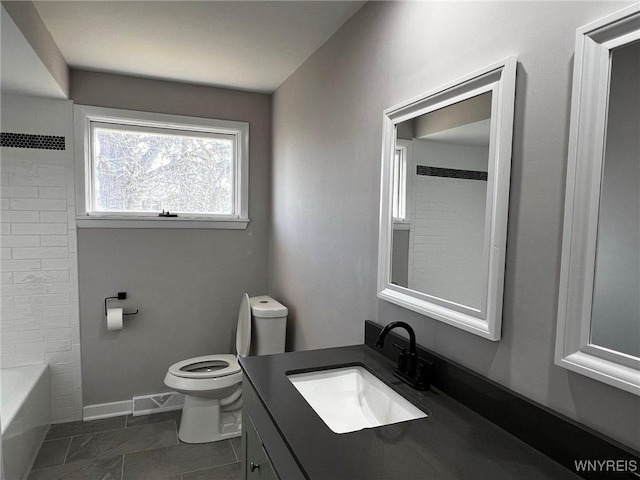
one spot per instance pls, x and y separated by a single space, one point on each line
147 170
400 184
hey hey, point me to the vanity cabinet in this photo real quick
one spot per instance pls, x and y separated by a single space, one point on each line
263 448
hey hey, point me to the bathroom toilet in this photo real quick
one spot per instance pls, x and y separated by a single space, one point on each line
212 384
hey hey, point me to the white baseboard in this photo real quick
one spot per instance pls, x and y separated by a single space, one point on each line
106 410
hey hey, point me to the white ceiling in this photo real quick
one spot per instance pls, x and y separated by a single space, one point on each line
247 45
472 134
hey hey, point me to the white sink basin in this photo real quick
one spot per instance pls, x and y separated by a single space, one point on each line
350 399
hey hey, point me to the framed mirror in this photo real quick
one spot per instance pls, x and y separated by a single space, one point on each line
599 300
446 159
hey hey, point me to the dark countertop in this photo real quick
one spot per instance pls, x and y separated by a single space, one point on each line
453 442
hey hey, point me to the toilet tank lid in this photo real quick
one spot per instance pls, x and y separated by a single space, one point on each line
266 307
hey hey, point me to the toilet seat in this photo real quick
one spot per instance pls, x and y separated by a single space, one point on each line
208 366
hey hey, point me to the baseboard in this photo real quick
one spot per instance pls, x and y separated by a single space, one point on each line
106 410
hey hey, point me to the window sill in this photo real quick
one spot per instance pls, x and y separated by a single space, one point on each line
401 225
158 222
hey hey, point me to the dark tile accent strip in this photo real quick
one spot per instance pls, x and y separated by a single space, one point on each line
552 434
450 173
26 140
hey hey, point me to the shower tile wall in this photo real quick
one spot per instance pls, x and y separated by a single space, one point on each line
39 268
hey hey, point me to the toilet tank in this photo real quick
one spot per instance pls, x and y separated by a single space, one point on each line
269 325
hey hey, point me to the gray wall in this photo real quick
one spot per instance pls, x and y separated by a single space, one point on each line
186 283
326 175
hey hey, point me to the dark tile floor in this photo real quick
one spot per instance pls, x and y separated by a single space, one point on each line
132 448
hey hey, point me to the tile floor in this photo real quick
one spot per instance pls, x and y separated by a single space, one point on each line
132 448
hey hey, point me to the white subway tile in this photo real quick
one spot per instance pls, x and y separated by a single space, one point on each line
40 252
41 323
63 415
4 204
20 241
53 217
64 373
6 278
57 334
55 264
73 292
71 217
67 401
38 204
23 360
48 169
67 378
43 347
39 228
34 179
54 240
73 241
48 276
15 290
5 228
8 326
73 263
7 313
19 165
52 192
70 357
7 350
22 337
5 253
59 390
52 299
59 310
4 179
28 311
21 265
18 192
9 216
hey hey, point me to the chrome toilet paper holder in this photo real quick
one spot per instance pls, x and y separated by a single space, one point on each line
121 296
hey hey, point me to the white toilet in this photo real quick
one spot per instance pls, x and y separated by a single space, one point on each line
212 384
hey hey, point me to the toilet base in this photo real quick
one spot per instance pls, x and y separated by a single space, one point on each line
203 421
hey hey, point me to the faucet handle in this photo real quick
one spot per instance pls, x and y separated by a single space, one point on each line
402 358
424 371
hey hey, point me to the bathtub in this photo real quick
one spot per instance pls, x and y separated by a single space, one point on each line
25 414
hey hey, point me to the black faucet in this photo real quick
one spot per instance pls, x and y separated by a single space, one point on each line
412 370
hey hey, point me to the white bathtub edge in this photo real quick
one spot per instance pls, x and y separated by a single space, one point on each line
106 410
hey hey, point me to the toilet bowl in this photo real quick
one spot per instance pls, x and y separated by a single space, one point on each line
212 384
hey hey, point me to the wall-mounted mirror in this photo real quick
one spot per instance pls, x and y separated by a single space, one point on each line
444 200
599 301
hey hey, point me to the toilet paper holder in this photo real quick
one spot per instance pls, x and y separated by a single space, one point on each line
121 296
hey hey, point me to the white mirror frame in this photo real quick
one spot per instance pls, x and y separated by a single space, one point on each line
500 79
589 105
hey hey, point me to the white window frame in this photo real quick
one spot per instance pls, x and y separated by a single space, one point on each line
87 116
403 184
